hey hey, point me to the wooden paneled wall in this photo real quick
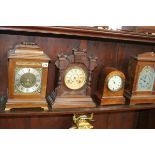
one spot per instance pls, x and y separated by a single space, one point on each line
110 52
115 120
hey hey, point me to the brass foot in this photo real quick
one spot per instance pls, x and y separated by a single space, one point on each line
45 108
7 109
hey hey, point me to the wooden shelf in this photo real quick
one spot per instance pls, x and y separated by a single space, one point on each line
84 32
104 109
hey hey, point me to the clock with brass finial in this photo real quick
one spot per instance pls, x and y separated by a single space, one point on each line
28 70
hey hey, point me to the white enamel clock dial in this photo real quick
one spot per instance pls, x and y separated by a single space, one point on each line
115 83
146 79
75 78
27 80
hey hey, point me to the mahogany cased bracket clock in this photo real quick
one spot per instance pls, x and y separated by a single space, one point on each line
110 87
74 85
28 70
140 86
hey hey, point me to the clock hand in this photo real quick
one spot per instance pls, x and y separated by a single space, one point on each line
143 80
145 77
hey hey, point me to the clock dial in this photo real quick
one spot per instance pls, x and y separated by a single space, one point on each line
28 80
146 79
115 83
75 78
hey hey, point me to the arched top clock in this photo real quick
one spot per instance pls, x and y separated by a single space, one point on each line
28 69
74 85
110 87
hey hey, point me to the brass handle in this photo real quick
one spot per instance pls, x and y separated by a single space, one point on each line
82 121
28 43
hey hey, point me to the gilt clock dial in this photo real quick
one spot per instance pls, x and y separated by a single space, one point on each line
75 78
115 83
74 82
28 80
146 79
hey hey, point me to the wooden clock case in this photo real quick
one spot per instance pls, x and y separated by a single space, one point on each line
68 98
136 64
102 95
27 55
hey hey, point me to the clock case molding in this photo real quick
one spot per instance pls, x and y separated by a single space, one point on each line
67 98
31 56
136 64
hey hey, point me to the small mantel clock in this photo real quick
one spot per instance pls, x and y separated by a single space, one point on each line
140 87
110 87
74 86
28 69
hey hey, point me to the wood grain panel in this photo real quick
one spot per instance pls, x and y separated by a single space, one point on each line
43 122
126 50
110 53
117 120
114 53
51 46
106 51
82 31
14 123
100 121
123 120
151 120
146 119
57 122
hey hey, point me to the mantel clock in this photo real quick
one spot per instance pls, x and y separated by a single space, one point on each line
28 69
140 87
110 87
74 85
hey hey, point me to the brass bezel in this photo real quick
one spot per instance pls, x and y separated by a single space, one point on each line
110 75
80 66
